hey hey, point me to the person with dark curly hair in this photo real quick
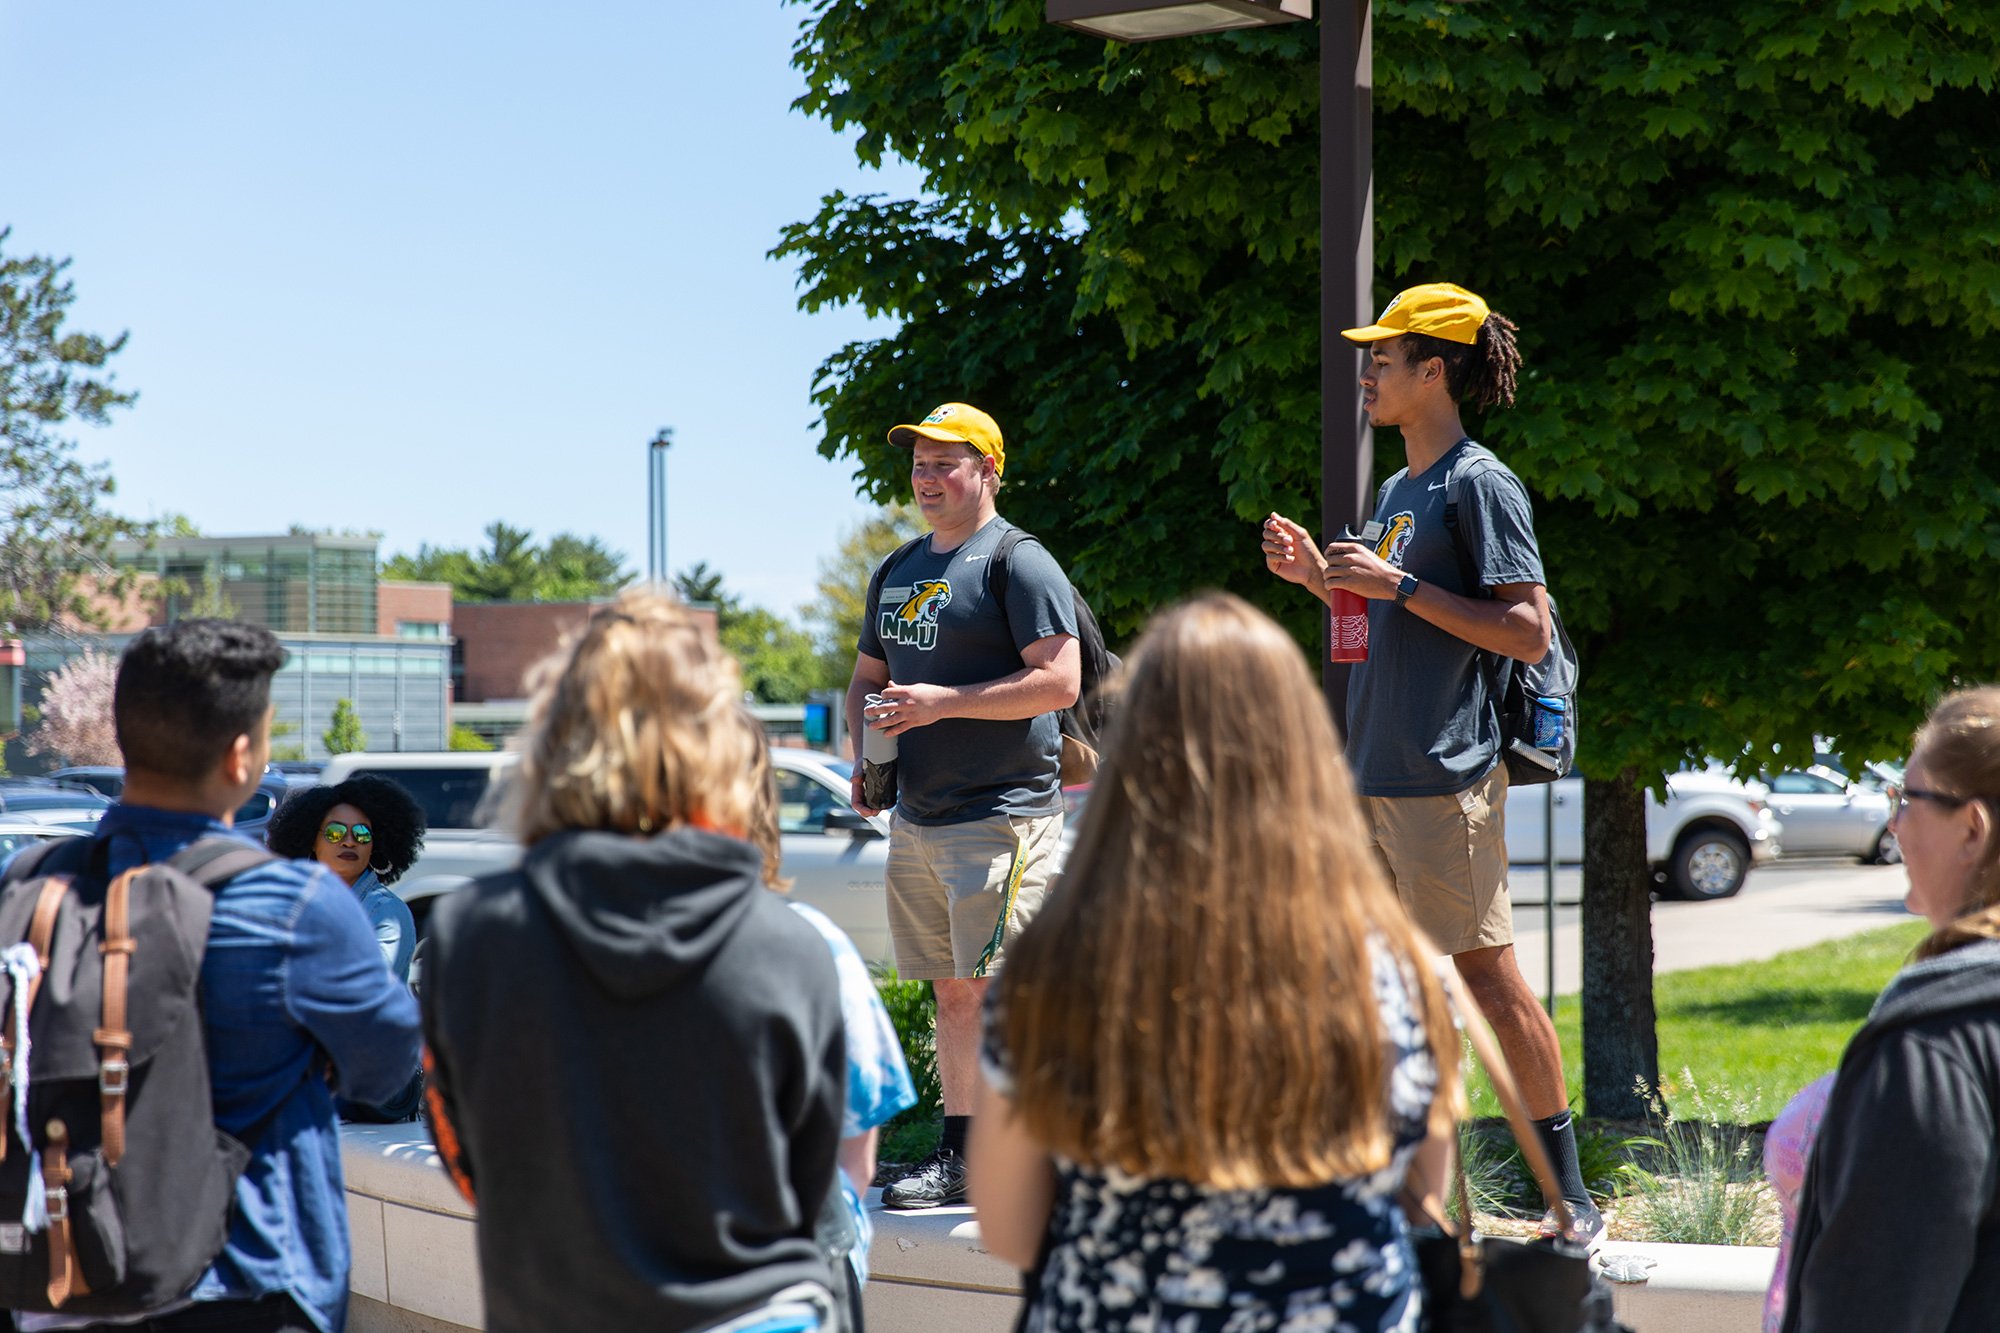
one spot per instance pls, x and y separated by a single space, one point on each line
368 831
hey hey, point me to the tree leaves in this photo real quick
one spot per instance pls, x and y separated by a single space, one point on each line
1754 249
511 568
53 526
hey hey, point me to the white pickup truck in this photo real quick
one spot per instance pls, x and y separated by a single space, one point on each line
1701 841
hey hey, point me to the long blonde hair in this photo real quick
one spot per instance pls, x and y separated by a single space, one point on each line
1960 746
1196 999
636 727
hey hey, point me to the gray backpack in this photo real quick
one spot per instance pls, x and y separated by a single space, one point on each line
115 1184
1520 689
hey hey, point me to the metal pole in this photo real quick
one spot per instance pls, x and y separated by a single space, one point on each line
1549 897
656 517
1347 279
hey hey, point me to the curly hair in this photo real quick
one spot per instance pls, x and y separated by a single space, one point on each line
395 816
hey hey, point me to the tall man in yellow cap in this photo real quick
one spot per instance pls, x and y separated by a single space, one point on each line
1423 729
971 665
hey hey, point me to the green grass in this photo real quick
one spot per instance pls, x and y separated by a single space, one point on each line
1762 1030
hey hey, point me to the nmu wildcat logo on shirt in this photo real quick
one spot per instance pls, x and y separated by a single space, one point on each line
909 615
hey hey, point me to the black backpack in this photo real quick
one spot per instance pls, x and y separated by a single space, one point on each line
1519 687
135 1180
1085 722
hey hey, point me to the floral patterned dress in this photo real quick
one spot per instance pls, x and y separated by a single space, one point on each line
1126 1254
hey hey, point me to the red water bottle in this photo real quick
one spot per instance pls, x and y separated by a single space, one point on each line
1349 638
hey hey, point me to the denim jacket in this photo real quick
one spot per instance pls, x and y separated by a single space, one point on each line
292 983
395 928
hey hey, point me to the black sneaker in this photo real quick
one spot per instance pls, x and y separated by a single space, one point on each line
938 1180
1586 1223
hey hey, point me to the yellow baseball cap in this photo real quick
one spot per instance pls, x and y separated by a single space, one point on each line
957 423
1441 309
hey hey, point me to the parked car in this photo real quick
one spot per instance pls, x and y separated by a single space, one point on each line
1826 814
254 814
107 780
1701 841
39 801
835 856
14 836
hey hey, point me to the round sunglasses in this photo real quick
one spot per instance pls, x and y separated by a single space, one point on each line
336 832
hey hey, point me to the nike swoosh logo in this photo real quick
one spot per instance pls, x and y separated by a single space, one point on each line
1435 486
969 559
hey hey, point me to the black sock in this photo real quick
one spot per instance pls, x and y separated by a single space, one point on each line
953 1139
1558 1136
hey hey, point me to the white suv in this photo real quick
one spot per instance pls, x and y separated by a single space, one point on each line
1701 842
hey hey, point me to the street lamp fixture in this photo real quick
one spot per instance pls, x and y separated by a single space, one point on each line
1150 20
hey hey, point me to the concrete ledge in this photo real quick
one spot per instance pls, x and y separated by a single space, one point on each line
416 1265
416 1269
930 1273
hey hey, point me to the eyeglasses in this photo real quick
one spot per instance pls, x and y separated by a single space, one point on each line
1901 797
337 832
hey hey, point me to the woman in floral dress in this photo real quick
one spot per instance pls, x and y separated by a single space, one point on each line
1219 1055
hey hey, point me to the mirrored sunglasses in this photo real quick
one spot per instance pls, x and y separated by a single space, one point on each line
337 832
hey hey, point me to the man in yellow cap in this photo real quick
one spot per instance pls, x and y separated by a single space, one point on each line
969 642
1423 729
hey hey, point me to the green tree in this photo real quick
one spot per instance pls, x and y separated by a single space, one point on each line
53 526
283 747
465 738
512 568
779 660
1752 248
837 606
343 734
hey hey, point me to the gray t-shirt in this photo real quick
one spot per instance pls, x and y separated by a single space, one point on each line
935 623
1420 720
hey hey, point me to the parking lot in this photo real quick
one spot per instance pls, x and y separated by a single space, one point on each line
1784 906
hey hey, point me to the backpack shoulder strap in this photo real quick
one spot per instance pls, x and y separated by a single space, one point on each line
1476 461
213 862
996 568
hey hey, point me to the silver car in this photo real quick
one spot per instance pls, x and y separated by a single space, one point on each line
1825 814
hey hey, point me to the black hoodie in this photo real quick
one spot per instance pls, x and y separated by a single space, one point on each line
1899 1216
639 1049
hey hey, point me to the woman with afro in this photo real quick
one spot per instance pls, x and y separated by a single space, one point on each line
366 830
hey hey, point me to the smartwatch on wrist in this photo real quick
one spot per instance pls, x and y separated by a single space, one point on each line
1406 589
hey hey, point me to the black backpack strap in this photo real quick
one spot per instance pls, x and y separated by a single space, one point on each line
996 567
1476 462
213 862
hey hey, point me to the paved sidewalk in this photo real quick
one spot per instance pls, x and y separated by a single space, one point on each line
1784 906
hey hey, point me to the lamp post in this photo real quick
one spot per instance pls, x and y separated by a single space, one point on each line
656 505
1347 222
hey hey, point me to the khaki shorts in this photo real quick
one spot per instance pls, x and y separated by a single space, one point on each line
1448 855
959 892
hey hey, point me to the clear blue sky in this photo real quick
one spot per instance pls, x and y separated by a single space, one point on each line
413 267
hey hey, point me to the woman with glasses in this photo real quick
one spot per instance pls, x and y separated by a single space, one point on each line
367 831
1219 1055
1899 1215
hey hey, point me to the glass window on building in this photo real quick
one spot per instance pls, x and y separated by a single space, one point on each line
420 629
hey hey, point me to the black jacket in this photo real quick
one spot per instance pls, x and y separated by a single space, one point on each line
639 1054
1899 1217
